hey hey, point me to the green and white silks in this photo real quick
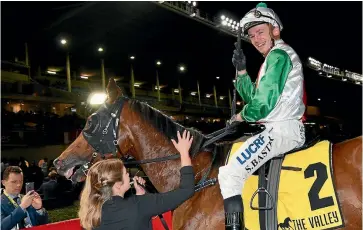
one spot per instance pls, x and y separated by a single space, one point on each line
278 102
277 94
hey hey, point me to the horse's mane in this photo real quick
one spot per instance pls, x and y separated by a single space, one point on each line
165 124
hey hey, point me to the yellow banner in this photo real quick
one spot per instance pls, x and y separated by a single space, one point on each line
306 198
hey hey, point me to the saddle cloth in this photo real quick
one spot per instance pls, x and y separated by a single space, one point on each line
306 197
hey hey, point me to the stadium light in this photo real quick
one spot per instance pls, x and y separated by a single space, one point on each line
100 49
97 98
63 41
229 22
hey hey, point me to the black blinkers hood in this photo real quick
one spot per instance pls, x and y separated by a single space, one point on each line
102 127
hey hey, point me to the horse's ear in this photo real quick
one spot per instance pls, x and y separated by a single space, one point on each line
113 91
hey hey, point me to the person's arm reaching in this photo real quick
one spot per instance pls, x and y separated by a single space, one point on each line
159 203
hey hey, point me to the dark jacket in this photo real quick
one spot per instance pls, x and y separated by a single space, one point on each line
49 189
10 216
135 212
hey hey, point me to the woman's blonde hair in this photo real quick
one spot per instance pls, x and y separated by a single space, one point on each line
98 189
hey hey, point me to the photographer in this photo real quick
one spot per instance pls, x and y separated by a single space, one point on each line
19 211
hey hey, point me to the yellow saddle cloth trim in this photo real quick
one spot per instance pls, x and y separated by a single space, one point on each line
306 198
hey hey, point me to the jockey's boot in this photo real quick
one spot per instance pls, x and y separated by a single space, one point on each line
233 209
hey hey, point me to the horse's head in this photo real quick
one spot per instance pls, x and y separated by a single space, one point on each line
128 127
97 140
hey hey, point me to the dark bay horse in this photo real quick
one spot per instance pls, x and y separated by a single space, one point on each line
145 133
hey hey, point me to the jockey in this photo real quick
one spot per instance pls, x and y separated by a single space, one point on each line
275 100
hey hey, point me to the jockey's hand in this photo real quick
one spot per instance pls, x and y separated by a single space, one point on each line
239 59
183 146
235 118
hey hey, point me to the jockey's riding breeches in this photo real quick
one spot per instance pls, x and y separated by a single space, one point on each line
278 138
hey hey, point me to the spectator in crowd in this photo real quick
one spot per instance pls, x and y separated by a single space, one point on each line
35 175
45 167
19 211
104 206
4 164
49 189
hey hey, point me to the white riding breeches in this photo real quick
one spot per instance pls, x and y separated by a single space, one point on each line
278 138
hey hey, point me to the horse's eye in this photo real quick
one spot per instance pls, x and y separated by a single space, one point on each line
91 124
88 123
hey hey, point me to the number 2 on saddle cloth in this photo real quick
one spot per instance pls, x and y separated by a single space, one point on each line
306 195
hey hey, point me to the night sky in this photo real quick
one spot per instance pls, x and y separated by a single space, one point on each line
331 32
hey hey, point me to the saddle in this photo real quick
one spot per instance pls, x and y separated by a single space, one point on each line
268 174
238 131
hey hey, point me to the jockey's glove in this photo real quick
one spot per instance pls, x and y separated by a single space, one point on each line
233 119
239 58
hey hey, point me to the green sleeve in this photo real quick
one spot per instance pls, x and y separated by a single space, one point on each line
270 87
245 87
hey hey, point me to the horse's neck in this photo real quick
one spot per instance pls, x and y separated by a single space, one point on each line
163 175
149 143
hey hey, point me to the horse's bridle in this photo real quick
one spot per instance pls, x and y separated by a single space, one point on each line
101 132
103 136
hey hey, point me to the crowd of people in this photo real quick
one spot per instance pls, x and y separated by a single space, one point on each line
49 127
52 187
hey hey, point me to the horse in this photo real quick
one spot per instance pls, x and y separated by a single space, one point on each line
285 224
144 133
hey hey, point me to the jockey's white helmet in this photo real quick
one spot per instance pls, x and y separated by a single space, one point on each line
259 15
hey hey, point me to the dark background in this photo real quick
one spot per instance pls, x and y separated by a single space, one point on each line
331 32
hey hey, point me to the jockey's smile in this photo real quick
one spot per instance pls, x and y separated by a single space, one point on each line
260 38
